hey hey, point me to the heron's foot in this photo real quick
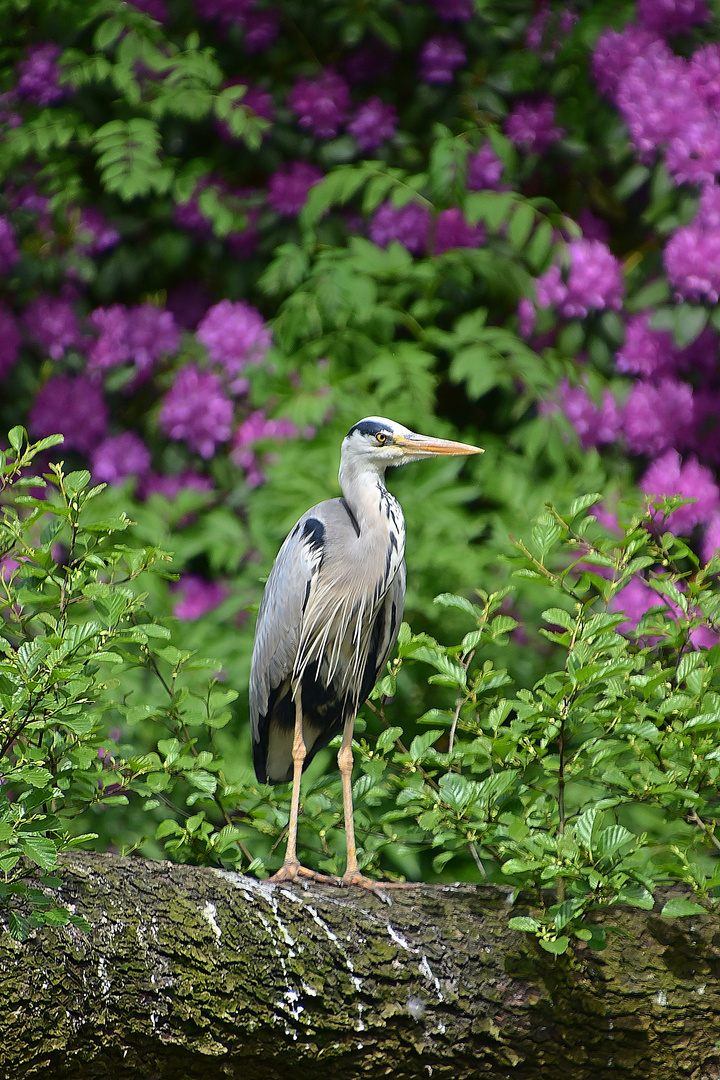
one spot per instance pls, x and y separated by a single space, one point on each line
293 871
377 888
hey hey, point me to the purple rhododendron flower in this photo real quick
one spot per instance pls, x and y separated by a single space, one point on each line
288 187
615 52
53 324
526 316
646 352
704 439
708 213
668 475
156 9
657 100
704 74
226 12
484 169
531 125
72 406
137 335
373 123
261 27
321 104
93 234
118 457
9 341
258 426
693 155
692 255
658 416
672 16
198 597
593 281
692 262
439 57
9 253
39 74
257 99
152 334
634 601
407 224
711 539
234 334
596 425
593 227
171 486
550 289
453 231
454 10
547 28
252 430
196 411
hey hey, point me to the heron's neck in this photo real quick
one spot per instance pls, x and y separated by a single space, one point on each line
363 487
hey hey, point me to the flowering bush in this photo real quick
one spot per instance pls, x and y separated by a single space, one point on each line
222 241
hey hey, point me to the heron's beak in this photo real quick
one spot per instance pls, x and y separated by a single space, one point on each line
422 445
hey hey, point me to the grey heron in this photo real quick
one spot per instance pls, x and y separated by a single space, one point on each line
328 621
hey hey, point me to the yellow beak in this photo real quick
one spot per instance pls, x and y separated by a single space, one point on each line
423 444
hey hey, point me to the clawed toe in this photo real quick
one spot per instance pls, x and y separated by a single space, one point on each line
293 870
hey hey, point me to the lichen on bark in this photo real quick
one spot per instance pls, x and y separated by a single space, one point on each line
201 973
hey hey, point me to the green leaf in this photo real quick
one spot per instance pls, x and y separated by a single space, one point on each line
18 926
679 907
557 946
523 922
584 502
521 224
559 617
16 437
41 849
387 738
422 743
107 33
459 602
456 790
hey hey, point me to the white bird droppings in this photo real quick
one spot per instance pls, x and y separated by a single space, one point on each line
399 939
209 912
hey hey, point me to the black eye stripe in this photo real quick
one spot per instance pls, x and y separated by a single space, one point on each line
368 427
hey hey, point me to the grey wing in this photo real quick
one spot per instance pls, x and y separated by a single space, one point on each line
279 621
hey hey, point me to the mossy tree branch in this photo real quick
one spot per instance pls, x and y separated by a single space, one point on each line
198 973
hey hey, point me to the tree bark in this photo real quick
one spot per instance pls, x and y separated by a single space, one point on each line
197 973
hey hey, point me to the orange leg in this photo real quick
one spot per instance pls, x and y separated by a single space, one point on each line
352 875
291 869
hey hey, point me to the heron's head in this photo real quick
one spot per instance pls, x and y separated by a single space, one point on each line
385 443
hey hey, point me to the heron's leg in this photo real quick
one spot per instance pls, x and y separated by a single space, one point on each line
298 756
291 868
345 764
352 875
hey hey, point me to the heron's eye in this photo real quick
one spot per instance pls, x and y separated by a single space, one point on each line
381 437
